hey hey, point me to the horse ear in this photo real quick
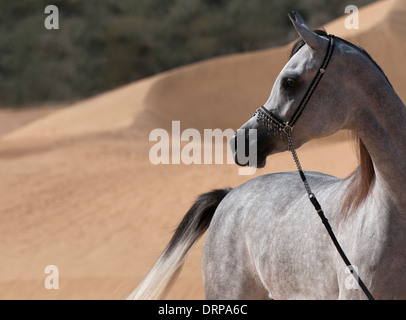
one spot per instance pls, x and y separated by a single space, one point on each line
312 39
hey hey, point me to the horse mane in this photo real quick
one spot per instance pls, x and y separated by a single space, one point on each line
361 180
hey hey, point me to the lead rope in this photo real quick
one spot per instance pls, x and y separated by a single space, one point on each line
288 130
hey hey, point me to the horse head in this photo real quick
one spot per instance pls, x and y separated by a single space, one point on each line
323 116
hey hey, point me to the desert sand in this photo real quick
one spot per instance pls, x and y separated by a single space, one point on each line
78 190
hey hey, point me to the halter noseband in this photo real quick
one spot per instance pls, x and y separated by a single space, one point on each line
272 122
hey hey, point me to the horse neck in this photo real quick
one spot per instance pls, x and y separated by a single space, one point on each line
381 124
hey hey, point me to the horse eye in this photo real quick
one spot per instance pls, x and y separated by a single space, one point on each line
288 83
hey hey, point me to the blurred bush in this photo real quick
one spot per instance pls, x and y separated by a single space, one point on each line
102 44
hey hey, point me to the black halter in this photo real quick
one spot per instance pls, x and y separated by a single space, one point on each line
273 123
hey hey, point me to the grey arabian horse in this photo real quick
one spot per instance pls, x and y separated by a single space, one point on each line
264 238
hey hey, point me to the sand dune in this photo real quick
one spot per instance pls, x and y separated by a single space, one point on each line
78 190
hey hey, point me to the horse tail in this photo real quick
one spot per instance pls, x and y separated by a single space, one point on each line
196 221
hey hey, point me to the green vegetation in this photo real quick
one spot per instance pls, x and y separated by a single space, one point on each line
102 44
